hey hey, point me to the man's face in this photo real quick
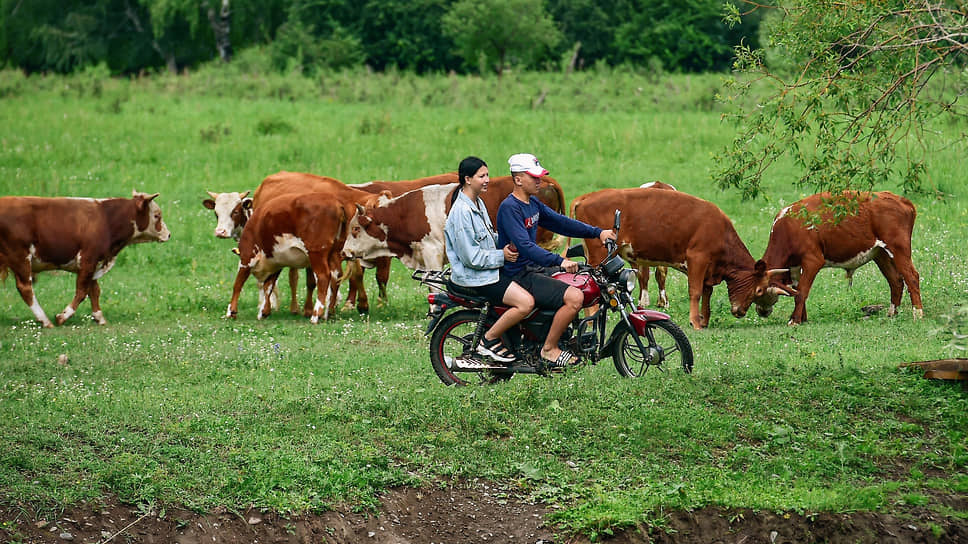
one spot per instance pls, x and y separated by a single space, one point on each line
529 183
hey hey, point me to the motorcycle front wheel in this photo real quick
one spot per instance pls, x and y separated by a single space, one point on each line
451 339
664 342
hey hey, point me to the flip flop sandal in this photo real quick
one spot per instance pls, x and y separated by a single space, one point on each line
496 350
565 359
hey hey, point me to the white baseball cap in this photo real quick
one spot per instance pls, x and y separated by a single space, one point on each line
526 162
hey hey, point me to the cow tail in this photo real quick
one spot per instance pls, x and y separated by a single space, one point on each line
3 272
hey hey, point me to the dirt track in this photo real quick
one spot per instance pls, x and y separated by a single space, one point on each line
456 515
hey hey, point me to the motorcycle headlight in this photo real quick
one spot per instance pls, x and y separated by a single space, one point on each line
628 277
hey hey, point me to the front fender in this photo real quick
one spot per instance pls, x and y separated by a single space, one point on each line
639 319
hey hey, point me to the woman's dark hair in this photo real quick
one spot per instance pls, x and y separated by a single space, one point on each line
468 167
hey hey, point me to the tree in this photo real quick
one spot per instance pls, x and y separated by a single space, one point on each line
686 35
501 32
862 83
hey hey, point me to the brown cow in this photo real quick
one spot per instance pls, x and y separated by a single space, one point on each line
295 230
670 228
642 272
80 235
879 230
411 226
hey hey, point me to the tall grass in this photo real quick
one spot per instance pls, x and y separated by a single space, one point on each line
171 403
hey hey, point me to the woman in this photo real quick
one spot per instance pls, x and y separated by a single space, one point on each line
475 260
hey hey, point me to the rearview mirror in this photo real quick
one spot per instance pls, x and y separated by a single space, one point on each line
618 219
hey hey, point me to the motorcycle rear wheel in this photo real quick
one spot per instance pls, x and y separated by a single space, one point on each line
663 339
450 340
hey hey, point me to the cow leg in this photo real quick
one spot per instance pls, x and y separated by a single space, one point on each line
356 282
240 277
893 277
808 271
266 289
82 287
643 275
696 277
324 286
707 294
382 279
661 273
25 285
310 288
95 295
294 290
353 271
904 264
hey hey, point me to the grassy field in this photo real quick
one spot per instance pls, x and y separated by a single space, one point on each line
172 404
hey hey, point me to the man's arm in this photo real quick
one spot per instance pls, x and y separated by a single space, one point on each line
510 222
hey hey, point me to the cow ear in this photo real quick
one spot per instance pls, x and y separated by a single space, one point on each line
760 267
149 198
209 203
246 203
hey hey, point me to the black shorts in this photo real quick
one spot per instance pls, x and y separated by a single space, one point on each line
494 292
548 292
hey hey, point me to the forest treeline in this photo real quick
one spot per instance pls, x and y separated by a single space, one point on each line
465 36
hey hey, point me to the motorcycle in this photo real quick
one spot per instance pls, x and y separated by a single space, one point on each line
640 340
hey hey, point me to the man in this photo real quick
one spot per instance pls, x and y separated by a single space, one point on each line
518 220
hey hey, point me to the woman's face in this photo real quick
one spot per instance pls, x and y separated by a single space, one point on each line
478 182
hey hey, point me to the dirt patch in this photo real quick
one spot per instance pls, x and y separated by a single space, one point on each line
465 514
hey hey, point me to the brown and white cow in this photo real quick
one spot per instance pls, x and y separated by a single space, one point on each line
670 228
80 235
232 211
879 229
295 230
289 187
411 226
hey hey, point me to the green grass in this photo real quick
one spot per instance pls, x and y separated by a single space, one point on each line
172 404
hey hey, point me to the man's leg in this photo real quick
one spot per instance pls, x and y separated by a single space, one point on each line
572 303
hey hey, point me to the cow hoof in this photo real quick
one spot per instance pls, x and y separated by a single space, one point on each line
347 306
918 313
48 325
61 319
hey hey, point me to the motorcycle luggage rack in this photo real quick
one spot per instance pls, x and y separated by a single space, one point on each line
434 278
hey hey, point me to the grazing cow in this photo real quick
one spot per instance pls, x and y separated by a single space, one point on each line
290 186
295 230
80 235
878 230
411 226
232 211
670 228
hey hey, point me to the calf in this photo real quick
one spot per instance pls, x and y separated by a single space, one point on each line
296 230
232 211
289 187
80 235
878 229
670 228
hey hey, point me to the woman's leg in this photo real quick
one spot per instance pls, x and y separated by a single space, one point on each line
521 303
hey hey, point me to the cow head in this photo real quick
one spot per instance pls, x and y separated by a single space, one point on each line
232 211
367 237
149 227
761 286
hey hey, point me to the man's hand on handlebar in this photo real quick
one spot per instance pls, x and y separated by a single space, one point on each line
569 265
607 234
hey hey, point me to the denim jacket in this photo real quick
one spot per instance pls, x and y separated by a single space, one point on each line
471 244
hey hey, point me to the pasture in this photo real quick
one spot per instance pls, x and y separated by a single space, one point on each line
171 404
